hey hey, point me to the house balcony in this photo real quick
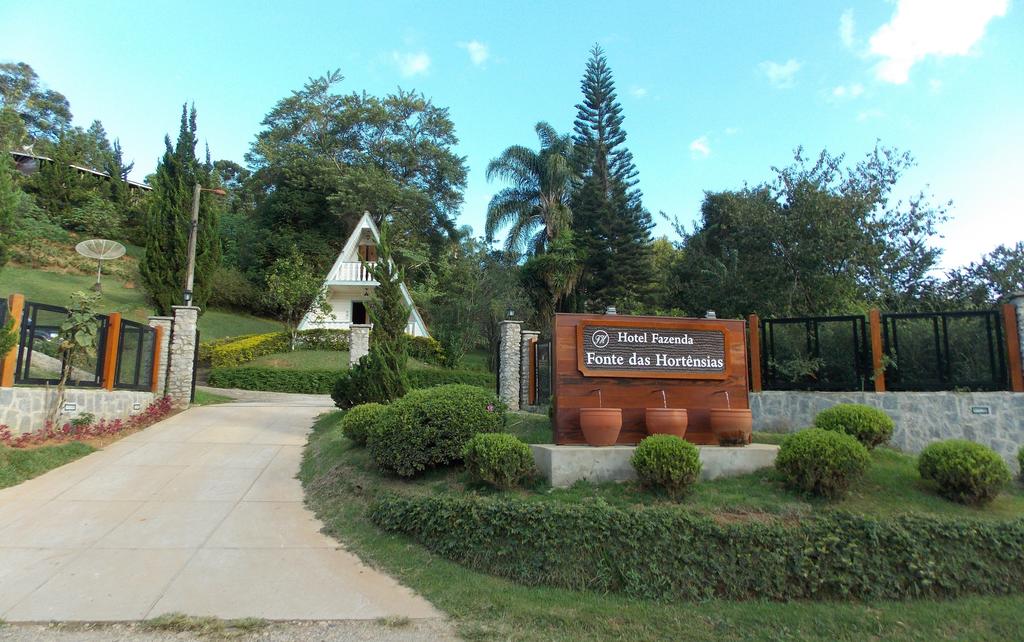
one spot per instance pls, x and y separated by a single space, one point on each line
350 273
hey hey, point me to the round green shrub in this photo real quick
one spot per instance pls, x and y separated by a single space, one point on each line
430 427
821 462
499 459
964 471
870 426
357 423
1020 462
668 462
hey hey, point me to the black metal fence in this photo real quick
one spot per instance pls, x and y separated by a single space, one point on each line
944 351
135 349
542 376
40 359
963 350
815 353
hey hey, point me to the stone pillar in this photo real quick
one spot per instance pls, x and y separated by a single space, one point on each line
1017 300
181 355
165 344
358 342
510 355
526 343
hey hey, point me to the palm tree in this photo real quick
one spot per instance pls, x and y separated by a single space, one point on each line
535 207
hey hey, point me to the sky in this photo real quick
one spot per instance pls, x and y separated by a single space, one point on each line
713 94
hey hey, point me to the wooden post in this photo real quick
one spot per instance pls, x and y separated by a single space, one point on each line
9 361
157 339
110 354
754 331
1013 347
875 321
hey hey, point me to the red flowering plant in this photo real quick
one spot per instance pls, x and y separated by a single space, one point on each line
78 430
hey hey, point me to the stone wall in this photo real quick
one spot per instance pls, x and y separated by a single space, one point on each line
359 342
181 354
24 409
921 417
510 355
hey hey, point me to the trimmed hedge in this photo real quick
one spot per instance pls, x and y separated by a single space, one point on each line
427 350
867 424
358 422
965 471
429 428
1020 462
821 462
669 553
668 462
321 382
499 459
234 351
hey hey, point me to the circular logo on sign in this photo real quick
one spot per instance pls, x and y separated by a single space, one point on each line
600 339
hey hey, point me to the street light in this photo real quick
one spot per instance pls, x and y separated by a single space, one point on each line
191 273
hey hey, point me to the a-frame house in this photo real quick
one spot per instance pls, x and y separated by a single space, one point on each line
349 285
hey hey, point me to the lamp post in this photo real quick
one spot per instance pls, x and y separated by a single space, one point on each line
192 233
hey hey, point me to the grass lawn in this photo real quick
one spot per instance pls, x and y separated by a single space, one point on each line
204 398
20 464
55 288
340 483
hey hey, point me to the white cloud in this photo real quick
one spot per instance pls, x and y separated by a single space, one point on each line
478 52
846 28
700 148
732 131
869 114
638 92
922 28
780 75
411 63
848 91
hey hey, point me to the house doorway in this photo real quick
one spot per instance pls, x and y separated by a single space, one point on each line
358 313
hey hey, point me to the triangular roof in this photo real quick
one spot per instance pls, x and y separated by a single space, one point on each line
366 222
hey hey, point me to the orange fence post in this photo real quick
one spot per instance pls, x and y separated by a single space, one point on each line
110 355
875 320
754 329
158 338
8 362
1012 347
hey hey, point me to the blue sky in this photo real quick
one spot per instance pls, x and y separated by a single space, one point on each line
714 94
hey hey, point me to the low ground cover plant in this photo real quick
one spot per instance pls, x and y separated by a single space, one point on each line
821 462
322 382
430 427
234 351
357 422
964 471
498 459
78 429
667 462
869 425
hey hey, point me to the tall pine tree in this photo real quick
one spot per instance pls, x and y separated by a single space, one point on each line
612 226
168 219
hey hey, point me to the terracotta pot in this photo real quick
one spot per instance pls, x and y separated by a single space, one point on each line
732 426
666 421
601 426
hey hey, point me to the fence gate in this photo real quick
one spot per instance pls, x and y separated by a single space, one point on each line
945 351
815 353
40 360
542 372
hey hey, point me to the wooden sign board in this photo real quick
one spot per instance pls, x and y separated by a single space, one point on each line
698 363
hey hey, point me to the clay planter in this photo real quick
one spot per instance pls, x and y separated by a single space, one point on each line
732 426
601 426
666 421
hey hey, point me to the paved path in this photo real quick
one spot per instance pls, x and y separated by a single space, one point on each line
199 514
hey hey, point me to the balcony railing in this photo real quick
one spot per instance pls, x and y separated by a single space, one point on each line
352 272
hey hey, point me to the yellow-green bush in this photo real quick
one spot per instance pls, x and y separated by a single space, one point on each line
248 348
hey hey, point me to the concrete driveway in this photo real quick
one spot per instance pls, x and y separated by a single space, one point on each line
199 514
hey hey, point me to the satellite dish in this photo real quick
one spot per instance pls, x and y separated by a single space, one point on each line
101 250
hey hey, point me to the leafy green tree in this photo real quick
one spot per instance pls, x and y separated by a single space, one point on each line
819 239
79 334
9 194
323 158
45 113
612 227
550 277
293 290
535 207
987 282
168 220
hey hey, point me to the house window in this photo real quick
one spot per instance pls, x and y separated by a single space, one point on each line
368 253
358 312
